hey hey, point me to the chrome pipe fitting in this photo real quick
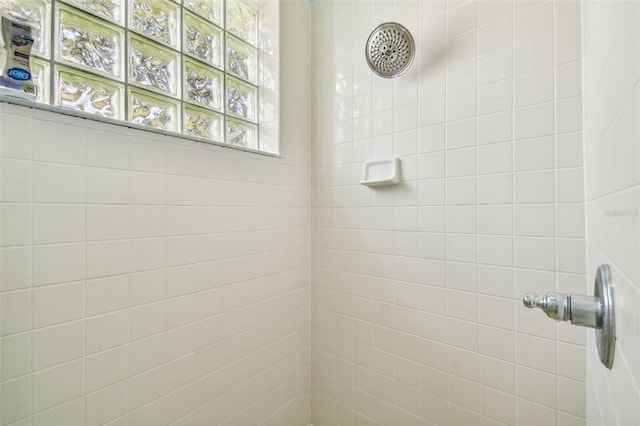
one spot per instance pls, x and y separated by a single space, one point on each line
579 309
587 311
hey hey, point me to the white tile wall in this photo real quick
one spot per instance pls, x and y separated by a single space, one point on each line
612 108
148 280
150 274
416 312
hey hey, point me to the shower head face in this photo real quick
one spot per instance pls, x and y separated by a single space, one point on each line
390 50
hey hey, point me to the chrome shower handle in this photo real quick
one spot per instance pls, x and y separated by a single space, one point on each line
579 309
595 311
555 305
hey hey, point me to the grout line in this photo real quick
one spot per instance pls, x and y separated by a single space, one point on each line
31 272
84 283
446 185
513 214
556 193
477 204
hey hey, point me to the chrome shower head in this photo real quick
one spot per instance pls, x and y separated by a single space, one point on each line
390 50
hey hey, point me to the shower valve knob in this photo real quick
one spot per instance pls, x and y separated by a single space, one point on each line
595 311
555 305
578 308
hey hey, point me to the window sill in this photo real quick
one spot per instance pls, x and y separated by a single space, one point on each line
79 114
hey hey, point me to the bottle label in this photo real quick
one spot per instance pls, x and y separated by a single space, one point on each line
19 74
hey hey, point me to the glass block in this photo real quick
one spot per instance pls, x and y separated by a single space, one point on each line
202 40
40 72
202 123
242 59
208 9
108 9
36 14
153 67
202 85
89 42
242 21
155 111
241 133
83 92
156 19
241 99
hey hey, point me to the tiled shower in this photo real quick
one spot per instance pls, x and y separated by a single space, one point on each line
150 280
415 290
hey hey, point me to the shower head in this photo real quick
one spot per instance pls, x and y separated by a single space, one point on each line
390 50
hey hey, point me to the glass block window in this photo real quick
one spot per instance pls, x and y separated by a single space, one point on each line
185 66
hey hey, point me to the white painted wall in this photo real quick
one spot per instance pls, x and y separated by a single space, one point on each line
612 140
416 311
147 280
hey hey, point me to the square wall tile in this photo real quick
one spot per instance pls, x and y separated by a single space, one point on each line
16 224
16 312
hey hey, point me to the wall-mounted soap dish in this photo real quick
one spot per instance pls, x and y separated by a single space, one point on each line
381 172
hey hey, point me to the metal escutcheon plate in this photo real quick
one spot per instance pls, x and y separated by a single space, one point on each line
605 336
